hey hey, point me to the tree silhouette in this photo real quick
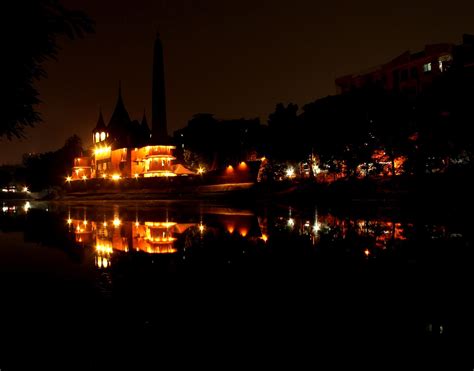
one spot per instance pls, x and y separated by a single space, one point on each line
33 27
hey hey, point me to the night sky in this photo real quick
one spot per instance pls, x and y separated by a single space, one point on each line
232 58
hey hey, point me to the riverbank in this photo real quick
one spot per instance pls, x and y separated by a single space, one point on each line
400 190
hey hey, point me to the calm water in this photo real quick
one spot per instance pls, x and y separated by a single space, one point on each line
189 281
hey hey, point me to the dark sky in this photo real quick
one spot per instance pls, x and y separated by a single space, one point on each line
232 58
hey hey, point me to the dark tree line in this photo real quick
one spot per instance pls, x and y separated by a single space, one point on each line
360 133
43 170
213 143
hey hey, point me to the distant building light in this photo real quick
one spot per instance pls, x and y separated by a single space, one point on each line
427 67
102 136
291 222
290 172
84 177
25 189
116 177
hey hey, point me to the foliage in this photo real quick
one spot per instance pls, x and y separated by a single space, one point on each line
34 28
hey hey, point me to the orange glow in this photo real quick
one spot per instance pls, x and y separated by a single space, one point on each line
229 169
230 229
264 237
367 252
116 177
243 232
243 166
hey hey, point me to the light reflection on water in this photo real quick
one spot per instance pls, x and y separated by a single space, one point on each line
180 229
113 257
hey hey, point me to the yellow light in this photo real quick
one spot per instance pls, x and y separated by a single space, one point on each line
291 222
68 179
69 221
116 177
84 177
201 228
85 222
104 176
200 170
137 224
25 189
264 237
367 252
105 224
263 158
136 175
117 222
290 172
27 206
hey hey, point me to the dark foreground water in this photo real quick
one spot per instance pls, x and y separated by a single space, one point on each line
93 286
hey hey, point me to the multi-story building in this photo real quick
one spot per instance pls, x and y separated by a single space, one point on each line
411 73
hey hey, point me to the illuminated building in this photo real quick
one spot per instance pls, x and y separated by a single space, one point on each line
128 149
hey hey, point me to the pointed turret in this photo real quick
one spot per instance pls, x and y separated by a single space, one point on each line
100 123
120 123
99 133
158 104
145 131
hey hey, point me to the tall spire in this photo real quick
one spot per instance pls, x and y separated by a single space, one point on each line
158 104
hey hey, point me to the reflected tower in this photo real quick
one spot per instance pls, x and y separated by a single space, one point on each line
158 112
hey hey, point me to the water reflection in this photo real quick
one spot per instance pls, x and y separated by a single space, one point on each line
169 230
132 252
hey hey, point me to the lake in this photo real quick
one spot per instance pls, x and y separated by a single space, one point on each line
200 281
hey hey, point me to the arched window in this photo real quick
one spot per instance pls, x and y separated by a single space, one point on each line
97 137
102 136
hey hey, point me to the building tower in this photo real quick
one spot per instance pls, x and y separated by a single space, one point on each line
158 112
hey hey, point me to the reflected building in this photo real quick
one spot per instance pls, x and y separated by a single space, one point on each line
115 235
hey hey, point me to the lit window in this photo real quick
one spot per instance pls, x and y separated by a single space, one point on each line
102 136
97 137
427 67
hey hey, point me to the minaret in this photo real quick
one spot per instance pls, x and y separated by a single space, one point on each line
158 105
